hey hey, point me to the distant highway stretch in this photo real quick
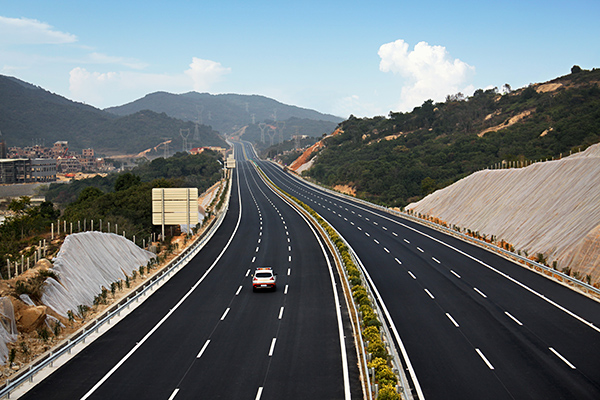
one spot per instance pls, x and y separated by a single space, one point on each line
475 325
205 334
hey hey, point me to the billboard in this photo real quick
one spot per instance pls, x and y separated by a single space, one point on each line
175 206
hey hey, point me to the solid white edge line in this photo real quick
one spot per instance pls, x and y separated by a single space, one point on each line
225 314
562 358
480 292
344 356
203 349
174 394
272 349
490 366
172 310
347 394
508 277
513 318
452 319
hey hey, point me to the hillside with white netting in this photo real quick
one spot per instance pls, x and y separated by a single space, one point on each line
550 208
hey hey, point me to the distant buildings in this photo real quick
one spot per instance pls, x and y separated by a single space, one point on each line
42 164
198 150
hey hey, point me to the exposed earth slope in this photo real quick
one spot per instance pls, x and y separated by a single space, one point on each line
550 208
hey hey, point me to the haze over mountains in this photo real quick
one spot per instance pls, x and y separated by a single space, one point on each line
228 113
31 115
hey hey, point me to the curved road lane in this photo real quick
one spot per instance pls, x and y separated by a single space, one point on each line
475 325
206 334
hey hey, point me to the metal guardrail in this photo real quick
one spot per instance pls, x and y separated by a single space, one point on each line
488 246
396 360
506 253
80 336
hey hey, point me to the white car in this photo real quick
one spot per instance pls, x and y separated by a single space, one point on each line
264 278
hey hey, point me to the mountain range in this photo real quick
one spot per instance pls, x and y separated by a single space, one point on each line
30 115
228 113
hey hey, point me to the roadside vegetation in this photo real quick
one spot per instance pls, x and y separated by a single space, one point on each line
370 325
403 157
122 199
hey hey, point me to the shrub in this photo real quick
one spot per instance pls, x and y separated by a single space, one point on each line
371 333
43 334
387 392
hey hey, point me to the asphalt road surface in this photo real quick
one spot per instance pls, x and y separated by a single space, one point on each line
206 335
474 325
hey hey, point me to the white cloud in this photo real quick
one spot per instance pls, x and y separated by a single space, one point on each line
430 71
104 89
205 72
31 31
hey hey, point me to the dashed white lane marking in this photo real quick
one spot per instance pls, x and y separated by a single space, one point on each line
285 290
411 274
174 394
280 313
359 228
257 249
452 319
386 250
480 292
272 347
248 272
225 314
259 240
490 366
289 248
394 233
384 228
513 318
421 250
203 349
398 261
429 293
407 241
238 291
259 393
253 259
289 271
436 260
455 274
288 240
290 258
562 358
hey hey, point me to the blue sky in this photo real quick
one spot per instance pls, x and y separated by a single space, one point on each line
341 57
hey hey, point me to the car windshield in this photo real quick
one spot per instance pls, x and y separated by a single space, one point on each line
263 274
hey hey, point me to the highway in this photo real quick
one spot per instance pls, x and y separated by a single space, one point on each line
206 334
474 325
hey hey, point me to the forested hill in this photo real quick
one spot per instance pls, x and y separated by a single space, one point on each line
30 114
398 159
228 113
